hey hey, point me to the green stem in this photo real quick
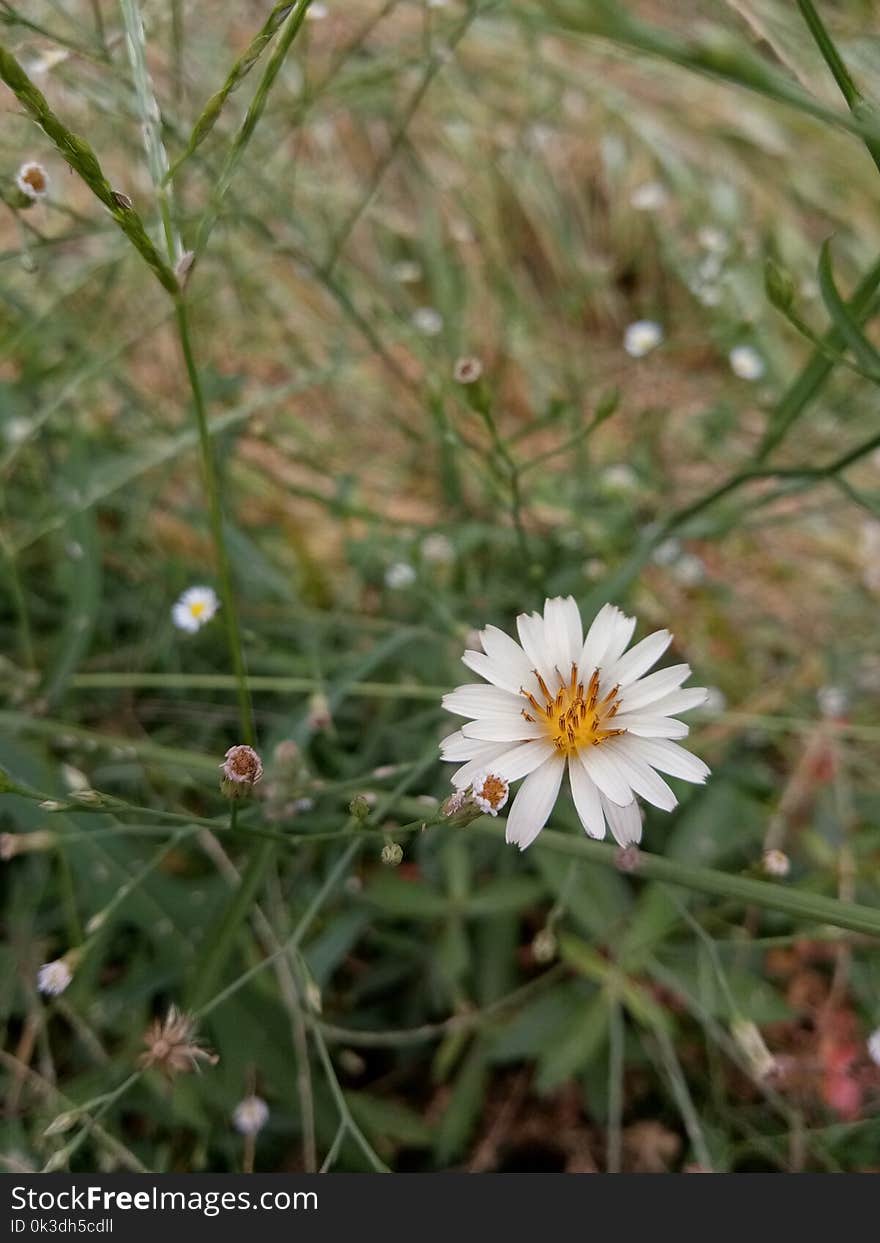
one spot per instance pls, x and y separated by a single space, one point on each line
848 89
772 897
230 612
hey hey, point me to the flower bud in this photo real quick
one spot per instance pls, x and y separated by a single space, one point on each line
392 854
359 807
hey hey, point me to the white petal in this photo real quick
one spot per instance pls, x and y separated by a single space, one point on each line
606 639
585 795
534 802
530 627
669 757
639 659
625 822
490 754
653 687
513 728
679 701
506 675
507 654
476 699
606 775
524 759
641 776
646 725
563 633
452 746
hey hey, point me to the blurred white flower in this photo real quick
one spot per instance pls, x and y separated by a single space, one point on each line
874 1046
689 569
250 1115
620 477
17 429
713 239
710 268
54 977
399 575
557 700
667 552
467 370
195 607
427 321
642 337
406 271
746 362
776 863
46 61
33 180
437 548
316 11
833 701
649 196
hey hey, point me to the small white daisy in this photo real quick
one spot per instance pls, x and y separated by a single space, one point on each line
557 700
649 196
196 606
427 321
746 362
642 337
250 1115
33 180
54 977
399 575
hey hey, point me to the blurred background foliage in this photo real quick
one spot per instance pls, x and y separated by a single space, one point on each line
518 182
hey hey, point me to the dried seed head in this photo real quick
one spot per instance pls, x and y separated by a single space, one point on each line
242 769
467 370
250 1115
172 1045
33 180
489 792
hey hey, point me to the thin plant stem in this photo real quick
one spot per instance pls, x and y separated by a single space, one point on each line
215 513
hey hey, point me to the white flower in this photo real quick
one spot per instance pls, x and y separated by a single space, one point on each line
406 271
557 700
489 792
746 362
33 180
642 337
54 977
649 196
620 477
399 575
17 430
776 863
437 548
315 13
712 239
196 606
874 1046
427 321
833 701
250 1115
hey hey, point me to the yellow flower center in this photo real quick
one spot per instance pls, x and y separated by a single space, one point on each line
493 790
575 717
197 608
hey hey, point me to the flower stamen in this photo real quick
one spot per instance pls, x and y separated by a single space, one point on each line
574 717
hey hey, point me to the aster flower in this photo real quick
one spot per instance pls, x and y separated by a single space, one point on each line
33 180
196 606
642 337
557 700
